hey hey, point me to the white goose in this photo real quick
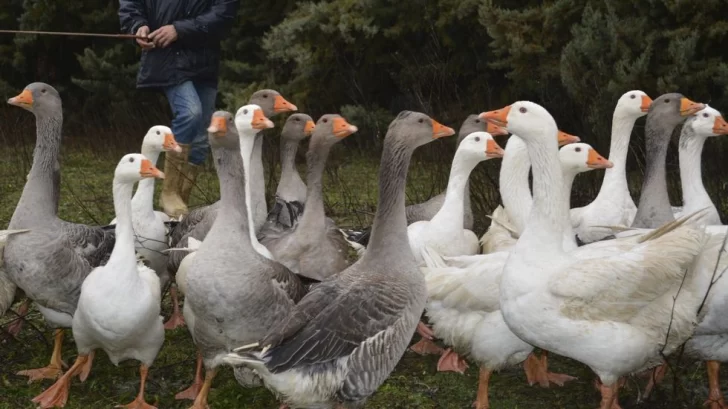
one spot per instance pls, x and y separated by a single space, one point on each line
444 233
119 307
613 206
610 307
151 235
463 302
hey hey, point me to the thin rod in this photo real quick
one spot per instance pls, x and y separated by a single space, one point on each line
61 33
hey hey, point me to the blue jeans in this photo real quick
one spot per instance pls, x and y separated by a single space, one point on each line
192 106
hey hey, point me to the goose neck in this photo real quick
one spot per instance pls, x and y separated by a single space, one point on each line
313 218
654 206
248 143
695 197
122 257
451 214
290 183
616 176
39 200
232 212
389 239
143 200
513 182
549 212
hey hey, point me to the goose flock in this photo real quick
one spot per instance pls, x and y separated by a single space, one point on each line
274 295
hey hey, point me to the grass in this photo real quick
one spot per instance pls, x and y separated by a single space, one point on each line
350 184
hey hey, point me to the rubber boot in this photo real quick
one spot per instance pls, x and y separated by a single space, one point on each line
188 181
175 165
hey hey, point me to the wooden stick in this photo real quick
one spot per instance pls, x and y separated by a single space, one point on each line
61 33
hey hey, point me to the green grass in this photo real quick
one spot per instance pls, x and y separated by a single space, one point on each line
351 190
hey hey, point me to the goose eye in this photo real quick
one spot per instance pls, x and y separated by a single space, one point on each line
297 119
477 121
523 110
667 101
245 112
325 120
157 132
43 90
705 115
131 159
230 120
578 149
265 95
477 139
421 120
632 96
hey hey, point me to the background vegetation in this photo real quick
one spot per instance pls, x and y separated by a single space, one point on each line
365 59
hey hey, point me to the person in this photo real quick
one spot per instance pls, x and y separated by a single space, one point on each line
181 56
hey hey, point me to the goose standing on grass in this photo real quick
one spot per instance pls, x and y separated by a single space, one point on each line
443 233
426 210
199 221
118 310
234 295
63 253
291 192
315 249
515 194
463 300
710 341
344 338
616 311
613 206
149 228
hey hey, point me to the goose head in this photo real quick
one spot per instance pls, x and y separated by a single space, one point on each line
529 120
134 167
473 123
671 109
250 119
159 138
633 104
222 132
38 98
415 129
479 146
708 122
271 102
298 127
331 128
581 157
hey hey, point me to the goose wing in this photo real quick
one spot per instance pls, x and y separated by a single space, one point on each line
332 321
616 280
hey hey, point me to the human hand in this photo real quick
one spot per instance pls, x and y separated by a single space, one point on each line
164 36
143 31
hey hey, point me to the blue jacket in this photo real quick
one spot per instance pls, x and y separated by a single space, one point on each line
200 25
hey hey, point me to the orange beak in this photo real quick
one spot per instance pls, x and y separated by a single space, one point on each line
260 121
342 129
170 144
281 105
440 131
565 138
646 102
308 129
495 130
688 107
720 126
597 161
23 100
218 126
498 117
493 150
150 171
